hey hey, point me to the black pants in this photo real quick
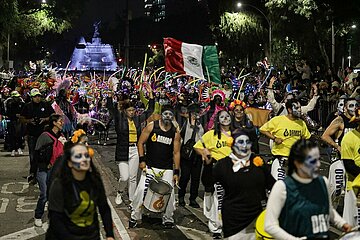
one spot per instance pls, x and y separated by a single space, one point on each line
190 169
15 135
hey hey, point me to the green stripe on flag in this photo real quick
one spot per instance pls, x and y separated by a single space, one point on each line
211 64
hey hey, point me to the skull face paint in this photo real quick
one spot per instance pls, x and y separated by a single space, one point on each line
224 118
242 146
351 106
80 158
296 110
340 106
167 117
311 164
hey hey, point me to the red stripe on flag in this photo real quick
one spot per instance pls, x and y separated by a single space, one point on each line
174 61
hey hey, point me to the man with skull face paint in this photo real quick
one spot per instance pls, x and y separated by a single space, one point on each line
214 146
245 179
299 207
341 125
285 131
162 154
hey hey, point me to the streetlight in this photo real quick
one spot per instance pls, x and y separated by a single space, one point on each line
333 34
239 5
43 1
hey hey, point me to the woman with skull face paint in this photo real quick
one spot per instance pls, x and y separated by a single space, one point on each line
75 194
214 146
240 120
299 207
245 180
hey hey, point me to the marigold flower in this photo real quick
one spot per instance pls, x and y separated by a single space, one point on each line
258 161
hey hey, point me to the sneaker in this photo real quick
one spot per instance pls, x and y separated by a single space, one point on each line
13 153
132 223
38 222
31 179
181 202
194 204
168 225
20 152
217 236
118 199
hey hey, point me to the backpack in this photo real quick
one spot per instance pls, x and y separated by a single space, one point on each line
57 149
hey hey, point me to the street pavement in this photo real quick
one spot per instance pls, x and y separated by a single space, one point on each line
18 200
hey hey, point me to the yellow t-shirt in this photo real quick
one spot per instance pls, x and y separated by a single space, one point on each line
288 130
218 147
350 146
132 132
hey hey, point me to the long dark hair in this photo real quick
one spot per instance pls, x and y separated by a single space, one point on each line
53 118
64 171
298 153
217 125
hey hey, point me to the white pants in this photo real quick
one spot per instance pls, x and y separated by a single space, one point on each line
212 208
247 233
141 191
128 172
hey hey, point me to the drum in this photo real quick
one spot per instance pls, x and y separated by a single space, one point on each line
259 228
353 235
157 196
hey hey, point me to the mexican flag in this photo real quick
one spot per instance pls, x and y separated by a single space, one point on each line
191 59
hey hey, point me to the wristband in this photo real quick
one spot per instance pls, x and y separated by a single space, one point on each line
176 172
142 159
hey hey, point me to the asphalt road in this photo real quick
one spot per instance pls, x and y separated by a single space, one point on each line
18 201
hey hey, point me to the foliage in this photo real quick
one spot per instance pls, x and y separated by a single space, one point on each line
237 26
305 8
37 23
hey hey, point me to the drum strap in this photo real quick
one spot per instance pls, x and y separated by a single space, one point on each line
159 175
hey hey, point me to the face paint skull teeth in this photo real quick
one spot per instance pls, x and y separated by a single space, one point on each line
242 146
351 106
80 158
312 163
224 119
167 117
296 110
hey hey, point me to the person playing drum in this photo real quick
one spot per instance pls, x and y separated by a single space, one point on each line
299 207
245 179
162 153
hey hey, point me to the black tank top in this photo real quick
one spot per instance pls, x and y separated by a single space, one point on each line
160 147
348 126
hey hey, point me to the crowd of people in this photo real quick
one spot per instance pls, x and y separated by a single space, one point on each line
177 129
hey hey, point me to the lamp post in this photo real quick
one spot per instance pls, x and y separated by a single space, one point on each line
239 5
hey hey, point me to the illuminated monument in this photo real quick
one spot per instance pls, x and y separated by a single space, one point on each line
94 55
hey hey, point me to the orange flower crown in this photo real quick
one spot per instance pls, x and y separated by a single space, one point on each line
258 161
236 102
77 134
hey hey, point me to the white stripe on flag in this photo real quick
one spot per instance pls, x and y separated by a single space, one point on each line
192 56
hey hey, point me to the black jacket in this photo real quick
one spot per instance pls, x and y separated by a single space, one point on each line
122 130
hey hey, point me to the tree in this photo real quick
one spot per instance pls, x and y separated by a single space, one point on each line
239 34
311 20
30 19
